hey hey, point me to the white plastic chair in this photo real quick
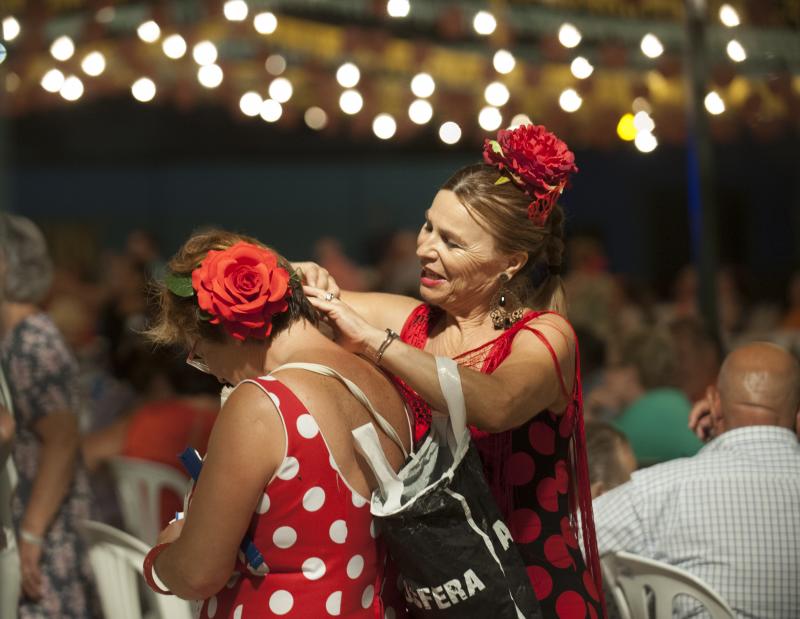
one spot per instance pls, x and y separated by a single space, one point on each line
116 560
639 584
139 486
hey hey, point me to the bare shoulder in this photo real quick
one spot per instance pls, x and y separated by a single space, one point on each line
381 309
249 412
553 329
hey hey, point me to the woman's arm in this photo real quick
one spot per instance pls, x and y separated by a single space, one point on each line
57 458
527 382
100 446
247 445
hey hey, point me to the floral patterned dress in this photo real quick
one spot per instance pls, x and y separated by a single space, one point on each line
532 471
41 374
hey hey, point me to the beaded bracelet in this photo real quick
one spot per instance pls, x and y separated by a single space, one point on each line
149 574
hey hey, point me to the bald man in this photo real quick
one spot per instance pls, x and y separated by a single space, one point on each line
731 514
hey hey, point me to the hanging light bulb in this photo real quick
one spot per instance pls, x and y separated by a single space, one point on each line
351 102
265 23
728 16
450 132
570 101
420 111
53 80
581 68
205 52
316 118
384 126
504 61
496 94
714 103
422 85
174 46
62 48
398 8
736 51
271 110
281 89
235 10
646 142
569 36
93 64
11 29
651 46
348 75
72 88
490 118
143 89
210 76
484 23
250 103
149 31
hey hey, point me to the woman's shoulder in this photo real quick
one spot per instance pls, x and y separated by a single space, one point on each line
544 333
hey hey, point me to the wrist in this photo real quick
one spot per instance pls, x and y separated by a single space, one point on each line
372 342
29 537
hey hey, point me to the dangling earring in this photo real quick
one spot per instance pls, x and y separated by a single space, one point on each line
506 308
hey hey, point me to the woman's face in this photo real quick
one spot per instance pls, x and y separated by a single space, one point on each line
461 266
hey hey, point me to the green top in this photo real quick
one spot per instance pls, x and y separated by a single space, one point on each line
657 426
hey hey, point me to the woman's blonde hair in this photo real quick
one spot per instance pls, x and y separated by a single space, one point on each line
179 320
502 210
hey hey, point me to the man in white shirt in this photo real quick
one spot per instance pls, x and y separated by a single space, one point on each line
728 515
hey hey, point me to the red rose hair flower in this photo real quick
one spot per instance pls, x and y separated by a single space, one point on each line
537 161
242 288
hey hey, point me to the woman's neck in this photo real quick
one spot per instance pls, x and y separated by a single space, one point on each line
11 314
458 333
300 340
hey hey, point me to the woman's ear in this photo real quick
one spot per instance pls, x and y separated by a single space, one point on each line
515 263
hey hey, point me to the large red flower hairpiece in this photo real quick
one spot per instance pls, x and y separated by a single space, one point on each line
536 161
242 288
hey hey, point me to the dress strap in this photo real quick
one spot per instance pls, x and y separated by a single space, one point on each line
356 392
554 356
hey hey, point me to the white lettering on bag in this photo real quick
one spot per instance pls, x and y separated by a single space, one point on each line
455 591
444 596
503 534
474 584
440 598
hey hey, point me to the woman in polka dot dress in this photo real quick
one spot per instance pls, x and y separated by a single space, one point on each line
491 248
281 466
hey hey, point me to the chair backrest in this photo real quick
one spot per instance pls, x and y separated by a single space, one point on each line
116 558
139 486
640 584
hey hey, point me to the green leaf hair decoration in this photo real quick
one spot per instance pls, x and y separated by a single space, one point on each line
502 180
179 285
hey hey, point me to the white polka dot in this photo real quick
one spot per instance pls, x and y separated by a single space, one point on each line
373 529
314 568
334 603
389 614
275 400
237 614
355 566
281 602
314 499
367 597
359 501
289 468
263 504
233 580
284 537
338 531
306 426
211 609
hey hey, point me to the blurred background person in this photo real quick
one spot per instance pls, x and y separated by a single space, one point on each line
611 459
53 492
640 382
698 354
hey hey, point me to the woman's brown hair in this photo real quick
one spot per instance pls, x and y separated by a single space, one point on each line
180 321
502 210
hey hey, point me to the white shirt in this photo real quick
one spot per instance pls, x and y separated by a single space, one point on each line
729 515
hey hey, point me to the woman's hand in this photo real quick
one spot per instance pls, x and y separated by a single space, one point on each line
352 332
171 532
29 557
315 276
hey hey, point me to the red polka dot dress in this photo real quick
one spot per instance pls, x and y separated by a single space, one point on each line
532 475
316 535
